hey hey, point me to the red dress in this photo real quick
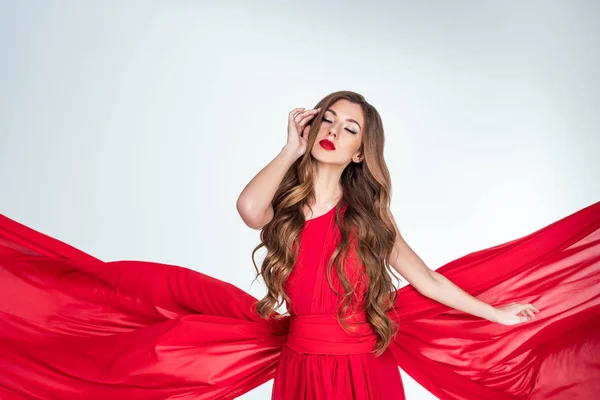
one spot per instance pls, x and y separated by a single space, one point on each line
73 326
319 359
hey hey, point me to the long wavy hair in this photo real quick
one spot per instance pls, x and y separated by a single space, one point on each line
366 190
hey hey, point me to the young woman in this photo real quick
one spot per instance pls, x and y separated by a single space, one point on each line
74 326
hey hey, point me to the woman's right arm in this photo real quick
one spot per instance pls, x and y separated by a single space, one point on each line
254 203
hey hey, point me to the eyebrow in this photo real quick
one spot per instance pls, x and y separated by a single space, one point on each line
349 119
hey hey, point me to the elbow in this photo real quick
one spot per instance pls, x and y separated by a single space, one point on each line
430 286
248 215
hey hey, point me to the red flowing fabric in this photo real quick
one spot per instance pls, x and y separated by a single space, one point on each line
73 326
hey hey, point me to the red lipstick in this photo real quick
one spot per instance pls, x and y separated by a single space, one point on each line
327 144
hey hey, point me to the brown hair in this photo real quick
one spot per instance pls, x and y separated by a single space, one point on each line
366 190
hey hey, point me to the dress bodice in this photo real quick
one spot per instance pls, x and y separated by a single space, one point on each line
307 286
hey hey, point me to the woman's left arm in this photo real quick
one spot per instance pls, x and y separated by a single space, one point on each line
437 287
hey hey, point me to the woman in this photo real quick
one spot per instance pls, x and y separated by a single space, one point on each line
74 326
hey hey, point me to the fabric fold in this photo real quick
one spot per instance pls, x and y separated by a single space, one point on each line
73 326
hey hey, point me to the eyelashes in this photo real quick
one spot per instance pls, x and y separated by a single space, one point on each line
349 130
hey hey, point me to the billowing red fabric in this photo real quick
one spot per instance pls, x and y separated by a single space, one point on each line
75 327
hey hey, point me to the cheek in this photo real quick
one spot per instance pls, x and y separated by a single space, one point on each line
355 143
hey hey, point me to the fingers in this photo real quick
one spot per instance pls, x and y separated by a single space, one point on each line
295 111
305 131
305 120
530 308
297 114
301 118
292 115
528 311
527 314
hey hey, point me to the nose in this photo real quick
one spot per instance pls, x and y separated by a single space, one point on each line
332 132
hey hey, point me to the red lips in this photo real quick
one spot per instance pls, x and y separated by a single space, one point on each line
327 144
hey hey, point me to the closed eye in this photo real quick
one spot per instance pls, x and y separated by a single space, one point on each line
349 130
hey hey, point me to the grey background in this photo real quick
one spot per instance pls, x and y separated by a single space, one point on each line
129 128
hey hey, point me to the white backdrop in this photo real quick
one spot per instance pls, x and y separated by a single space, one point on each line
129 128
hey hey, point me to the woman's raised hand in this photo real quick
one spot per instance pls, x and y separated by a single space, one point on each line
298 128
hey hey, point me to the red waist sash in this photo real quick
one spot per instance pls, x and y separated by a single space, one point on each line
322 334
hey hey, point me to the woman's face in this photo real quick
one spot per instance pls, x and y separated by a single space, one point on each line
342 125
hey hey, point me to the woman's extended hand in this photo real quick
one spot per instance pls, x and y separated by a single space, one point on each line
298 129
515 313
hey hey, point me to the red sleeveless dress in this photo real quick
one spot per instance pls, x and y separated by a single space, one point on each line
73 326
320 360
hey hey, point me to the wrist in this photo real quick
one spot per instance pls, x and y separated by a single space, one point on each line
290 153
492 314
